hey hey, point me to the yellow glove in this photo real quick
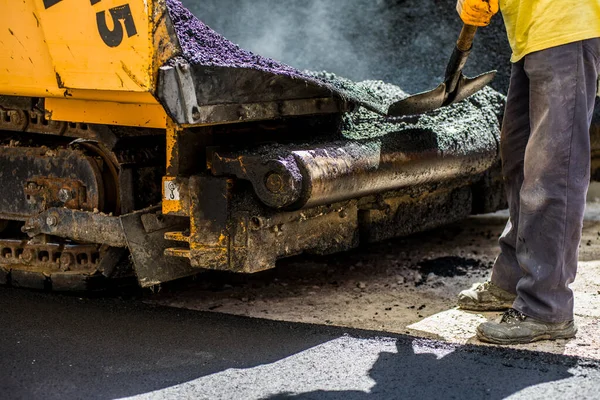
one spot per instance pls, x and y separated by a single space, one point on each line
477 12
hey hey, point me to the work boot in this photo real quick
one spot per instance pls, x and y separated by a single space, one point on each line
485 297
515 328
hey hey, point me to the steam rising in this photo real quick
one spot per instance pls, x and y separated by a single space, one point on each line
405 42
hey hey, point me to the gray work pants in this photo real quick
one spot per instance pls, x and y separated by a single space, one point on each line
545 150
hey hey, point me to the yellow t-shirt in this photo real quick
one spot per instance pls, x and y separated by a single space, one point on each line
534 25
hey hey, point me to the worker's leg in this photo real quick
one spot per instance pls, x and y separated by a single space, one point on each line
513 141
556 177
501 293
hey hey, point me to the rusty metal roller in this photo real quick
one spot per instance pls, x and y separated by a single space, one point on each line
275 177
330 172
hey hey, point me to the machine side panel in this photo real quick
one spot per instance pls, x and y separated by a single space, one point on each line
102 45
26 67
142 114
48 47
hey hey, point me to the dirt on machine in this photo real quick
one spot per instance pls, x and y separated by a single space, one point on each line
137 143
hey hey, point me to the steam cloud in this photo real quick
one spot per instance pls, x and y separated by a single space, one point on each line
405 42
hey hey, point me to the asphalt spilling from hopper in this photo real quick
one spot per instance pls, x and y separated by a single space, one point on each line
458 126
201 45
407 43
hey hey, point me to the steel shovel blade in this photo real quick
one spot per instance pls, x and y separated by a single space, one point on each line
419 103
439 97
469 86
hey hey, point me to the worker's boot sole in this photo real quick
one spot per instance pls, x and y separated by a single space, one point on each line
486 307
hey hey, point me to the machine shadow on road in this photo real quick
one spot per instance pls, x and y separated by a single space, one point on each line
465 372
67 347
64 347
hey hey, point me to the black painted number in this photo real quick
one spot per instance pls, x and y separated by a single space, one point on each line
50 3
114 37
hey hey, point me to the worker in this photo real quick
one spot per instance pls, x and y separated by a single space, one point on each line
545 152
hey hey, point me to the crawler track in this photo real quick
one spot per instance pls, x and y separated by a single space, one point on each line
77 166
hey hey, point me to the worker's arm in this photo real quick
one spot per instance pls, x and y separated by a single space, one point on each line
477 12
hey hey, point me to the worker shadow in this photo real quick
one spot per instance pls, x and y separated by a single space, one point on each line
431 370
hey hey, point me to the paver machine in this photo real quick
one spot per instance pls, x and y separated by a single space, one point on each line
137 142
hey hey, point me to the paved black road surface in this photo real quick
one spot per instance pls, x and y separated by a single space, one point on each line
65 347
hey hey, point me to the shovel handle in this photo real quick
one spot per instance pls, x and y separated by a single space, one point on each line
465 40
459 57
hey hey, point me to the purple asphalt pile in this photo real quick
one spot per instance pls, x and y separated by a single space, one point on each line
203 46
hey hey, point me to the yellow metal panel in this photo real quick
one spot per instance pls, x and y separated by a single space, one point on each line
99 44
174 193
103 112
95 50
172 207
165 41
173 148
111 95
49 46
26 67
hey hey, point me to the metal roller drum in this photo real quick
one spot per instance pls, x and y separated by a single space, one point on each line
338 171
